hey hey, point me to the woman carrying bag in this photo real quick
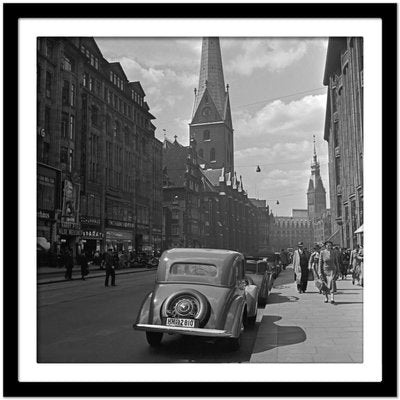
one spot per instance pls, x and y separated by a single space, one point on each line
328 270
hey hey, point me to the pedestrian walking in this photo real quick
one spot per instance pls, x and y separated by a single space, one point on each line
313 262
284 257
69 264
345 262
300 267
110 267
355 262
84 265
328 270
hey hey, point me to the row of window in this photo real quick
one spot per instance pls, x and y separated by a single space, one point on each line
66 158
212 154
116 80
94 61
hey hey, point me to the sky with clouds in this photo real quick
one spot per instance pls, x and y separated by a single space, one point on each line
277 101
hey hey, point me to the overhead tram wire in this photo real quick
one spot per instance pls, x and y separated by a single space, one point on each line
272 99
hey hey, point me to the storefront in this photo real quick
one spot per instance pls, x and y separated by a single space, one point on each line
142 238
91 236
119 235
157 239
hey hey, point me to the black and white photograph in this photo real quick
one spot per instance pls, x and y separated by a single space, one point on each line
199 196
217 183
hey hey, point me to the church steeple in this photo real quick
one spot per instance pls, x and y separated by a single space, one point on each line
316 195
211 124
211 75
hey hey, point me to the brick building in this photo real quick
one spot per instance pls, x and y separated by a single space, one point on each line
286 232
344 133
99 164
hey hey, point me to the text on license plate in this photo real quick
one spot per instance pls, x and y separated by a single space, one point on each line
185 322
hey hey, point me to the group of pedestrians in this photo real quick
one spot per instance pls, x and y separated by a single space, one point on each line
324 265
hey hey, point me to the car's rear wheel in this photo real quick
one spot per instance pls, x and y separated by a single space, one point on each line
154 338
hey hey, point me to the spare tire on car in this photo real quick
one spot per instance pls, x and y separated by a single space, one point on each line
187 303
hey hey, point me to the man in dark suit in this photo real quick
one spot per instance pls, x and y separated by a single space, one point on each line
300 267
110 268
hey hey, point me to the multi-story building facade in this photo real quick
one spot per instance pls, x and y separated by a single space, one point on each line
344 133
323 227
96 146
286 232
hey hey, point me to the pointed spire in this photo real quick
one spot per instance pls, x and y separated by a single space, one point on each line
211 74
315 152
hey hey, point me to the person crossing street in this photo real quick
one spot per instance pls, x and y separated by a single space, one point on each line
110 267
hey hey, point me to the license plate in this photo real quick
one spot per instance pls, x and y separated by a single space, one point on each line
184 322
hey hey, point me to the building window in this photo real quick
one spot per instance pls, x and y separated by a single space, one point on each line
38 79
117 129
212 154
108 125
95 116
65 93
346 221
68 64
361 208
98 87
353 219
71 126
64 125
206 135
336 134
70 160
72 96
337 170
339 206
109 94
64 156
90 83
47 121
48 84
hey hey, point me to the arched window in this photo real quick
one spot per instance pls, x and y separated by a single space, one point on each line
201 153
206 135
212 154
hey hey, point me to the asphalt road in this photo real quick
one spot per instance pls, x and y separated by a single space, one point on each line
84 322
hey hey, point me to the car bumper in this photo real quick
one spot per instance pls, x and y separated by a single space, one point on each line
183 331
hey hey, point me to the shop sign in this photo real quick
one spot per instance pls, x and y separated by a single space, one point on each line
71 225
69 232
90 220
120 224
92 234
155 230
44 214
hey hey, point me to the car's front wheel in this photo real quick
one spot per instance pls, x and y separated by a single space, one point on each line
154 338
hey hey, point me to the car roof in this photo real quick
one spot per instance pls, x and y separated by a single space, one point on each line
219 257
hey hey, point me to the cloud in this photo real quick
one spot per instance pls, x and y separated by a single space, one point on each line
298 119
272 54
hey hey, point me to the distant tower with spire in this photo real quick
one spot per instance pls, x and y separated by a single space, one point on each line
316 194
211 125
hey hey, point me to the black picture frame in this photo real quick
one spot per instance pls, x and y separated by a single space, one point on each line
12 386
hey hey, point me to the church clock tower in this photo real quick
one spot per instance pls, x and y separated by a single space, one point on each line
211 125
316 195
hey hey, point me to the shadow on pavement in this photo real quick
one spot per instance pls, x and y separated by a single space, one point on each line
276 336
275 298
338 303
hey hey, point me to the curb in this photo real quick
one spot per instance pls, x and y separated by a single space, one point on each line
93 276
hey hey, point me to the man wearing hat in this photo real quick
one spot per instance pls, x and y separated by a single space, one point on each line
300 267
109 261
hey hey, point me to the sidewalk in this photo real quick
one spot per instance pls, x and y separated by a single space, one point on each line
54 275
301 328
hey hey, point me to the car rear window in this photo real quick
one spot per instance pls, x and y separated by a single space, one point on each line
194 272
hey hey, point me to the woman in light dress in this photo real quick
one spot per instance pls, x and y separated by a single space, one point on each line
328 270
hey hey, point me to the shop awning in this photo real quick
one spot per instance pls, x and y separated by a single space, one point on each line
360 229
43 243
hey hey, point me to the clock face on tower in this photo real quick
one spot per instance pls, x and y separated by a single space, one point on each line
206 111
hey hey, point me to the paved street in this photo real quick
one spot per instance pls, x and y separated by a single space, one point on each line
302 328
81 321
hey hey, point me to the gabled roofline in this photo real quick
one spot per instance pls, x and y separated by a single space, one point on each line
119 67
